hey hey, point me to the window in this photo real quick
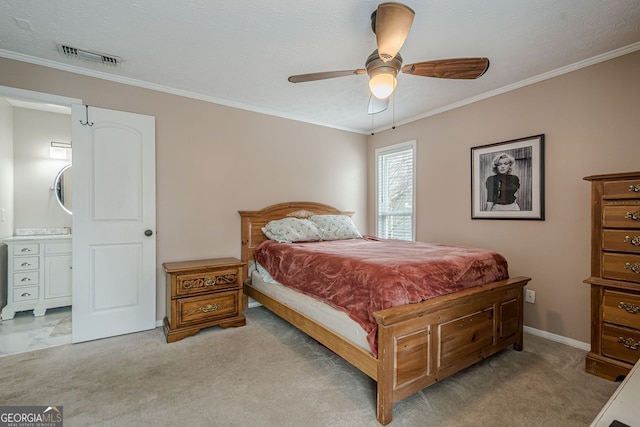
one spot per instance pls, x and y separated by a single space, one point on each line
395 177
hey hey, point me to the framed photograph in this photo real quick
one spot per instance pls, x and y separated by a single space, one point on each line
507 179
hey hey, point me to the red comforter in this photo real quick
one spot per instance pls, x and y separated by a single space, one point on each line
361 276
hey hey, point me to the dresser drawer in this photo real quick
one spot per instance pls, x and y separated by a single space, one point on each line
621 240
26 263
622 189
621 343
189 284
27 293
621 308
207 308
621 267
26 249
25 278
621 216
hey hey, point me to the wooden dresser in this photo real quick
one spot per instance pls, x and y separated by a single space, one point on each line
202 293
615 274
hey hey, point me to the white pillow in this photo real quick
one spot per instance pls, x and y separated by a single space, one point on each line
336 227
289 230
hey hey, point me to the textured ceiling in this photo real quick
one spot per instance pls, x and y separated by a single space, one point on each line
240 53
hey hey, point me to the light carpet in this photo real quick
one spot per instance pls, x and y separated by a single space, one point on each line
268 373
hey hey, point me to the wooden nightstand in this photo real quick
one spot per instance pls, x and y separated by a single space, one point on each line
202 293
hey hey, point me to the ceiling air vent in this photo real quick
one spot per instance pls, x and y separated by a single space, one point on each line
86 55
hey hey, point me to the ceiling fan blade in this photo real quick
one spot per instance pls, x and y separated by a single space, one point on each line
377 105
393 22
457 68
301 78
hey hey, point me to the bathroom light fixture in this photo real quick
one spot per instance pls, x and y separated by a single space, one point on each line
60 150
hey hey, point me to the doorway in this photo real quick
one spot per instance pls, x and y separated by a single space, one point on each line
27 203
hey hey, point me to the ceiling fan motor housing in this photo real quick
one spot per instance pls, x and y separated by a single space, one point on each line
375 65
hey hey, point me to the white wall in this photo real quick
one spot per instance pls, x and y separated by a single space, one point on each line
34 170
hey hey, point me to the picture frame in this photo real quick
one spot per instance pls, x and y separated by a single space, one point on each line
507 179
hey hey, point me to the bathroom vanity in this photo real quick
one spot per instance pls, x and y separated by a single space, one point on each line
39 273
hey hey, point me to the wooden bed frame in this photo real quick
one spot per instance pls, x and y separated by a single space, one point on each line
418 344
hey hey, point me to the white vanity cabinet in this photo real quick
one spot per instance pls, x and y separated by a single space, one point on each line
39 275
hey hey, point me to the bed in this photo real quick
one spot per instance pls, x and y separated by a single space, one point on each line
419 343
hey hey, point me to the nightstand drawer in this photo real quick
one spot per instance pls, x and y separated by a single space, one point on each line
26 278
621 343
621 267
207 308
189 284
27 293
26 263
621 308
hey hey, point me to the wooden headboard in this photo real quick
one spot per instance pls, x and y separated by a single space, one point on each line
253 221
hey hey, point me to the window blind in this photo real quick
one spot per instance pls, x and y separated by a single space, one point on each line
395 192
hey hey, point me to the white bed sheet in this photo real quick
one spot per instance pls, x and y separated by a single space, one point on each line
335 320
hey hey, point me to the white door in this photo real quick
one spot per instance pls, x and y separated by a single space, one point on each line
114 243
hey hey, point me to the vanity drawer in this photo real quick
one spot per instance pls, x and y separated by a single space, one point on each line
26 293
26 278
621 267
621 343
621 240
189 284
26 249
621 216
26 263
57 248
621 308
207 308
623 189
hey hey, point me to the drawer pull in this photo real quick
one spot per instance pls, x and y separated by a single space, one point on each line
629 343
25 250
25 279
634 188
633 215
26 294
223 279
629 307
635 267
25 264
635 240
209 308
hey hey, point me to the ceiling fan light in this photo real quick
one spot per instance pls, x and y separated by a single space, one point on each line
382 85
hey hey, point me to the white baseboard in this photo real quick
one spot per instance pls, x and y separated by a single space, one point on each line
558 338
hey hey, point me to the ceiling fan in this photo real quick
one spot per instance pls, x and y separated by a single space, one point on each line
391 23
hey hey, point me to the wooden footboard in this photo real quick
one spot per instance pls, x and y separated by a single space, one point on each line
418 344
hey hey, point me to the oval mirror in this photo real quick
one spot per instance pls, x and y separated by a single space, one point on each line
62 188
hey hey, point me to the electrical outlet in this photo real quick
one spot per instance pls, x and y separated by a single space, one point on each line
3 215
530 296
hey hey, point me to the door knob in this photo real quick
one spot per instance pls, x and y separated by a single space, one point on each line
148 232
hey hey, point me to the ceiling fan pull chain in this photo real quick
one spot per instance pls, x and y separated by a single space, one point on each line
393 107
372 124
